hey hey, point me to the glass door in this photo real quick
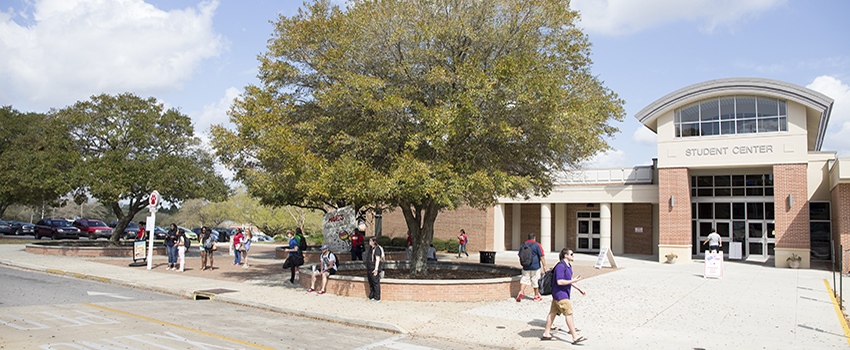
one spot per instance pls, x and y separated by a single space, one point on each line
588 231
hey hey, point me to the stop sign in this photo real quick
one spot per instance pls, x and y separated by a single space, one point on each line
154 198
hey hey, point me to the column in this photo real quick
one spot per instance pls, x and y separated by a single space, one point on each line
516 233
605 225
791 212
499 227
674 214
546 226
560 235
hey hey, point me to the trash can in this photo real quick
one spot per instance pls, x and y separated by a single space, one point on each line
487 257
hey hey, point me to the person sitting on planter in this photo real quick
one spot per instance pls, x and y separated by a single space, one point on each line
328 268
432 253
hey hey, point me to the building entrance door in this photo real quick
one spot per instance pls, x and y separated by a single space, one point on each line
588 231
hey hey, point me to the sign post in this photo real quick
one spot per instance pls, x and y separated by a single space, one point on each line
150 223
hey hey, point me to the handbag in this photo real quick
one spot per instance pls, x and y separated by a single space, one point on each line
215 247
240 247
298 259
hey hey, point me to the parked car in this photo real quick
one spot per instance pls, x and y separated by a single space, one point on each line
56 229
197 232
159 232
224 233
262 238
6 227
93 229
189 233
130 232
22 228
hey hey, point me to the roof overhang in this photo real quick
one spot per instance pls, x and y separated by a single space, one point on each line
756 86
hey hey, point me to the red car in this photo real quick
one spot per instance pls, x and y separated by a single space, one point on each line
93 229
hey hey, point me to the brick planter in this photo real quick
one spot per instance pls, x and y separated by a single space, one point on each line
311 255
423 290
84 249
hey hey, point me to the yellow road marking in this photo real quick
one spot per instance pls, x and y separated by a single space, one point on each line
187 328
838 311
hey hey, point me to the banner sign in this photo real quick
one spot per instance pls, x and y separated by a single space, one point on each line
713 265
603 254
336 227
139 250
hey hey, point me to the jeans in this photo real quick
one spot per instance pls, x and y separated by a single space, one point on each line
462 249
172 255
238 259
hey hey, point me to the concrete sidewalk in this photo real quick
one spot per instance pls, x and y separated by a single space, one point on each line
642 305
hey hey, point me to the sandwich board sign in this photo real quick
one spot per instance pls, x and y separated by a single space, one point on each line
713 265
605 252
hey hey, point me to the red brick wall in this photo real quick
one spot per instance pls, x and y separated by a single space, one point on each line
674 221
478 225
637 215
792 222
841 220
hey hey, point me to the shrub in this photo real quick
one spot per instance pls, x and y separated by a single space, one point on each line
439 244
315 238
399 242
383 241
452 245
280 238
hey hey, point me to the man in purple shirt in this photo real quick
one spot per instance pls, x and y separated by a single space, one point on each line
564 282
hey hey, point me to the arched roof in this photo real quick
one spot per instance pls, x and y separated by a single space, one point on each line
756 86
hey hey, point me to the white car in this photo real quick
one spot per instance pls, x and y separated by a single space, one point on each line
262 238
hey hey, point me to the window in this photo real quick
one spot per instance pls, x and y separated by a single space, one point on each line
752 185
730 115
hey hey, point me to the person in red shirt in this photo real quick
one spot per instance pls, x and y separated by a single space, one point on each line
142 234
462 247
357 242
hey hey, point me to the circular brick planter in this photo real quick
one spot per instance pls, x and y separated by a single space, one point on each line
311 255
87 249
422 290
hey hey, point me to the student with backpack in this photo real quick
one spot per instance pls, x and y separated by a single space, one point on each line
532 261
564 282
295 257
183 244
374 268
328 268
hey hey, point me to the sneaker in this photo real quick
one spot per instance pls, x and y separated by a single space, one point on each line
311 290
246 266
288 282
320 292
538 298
234 264
519 296
376 300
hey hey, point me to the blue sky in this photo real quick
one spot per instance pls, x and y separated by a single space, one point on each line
197 56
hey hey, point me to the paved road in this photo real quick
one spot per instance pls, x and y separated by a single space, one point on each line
40 311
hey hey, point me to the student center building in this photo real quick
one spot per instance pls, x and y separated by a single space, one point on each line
741 155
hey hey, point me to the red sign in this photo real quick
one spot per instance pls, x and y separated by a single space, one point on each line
154 198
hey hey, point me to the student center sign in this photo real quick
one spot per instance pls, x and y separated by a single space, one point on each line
741 155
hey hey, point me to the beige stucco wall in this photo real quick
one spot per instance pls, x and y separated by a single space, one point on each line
818 176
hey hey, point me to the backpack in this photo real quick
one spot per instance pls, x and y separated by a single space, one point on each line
526 255
545 283
187 242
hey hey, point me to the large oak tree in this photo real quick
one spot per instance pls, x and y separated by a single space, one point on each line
131 146
420 105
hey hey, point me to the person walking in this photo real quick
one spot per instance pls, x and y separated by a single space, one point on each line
302 243
246 246
462 247
328 268
532 261
171 246
291 261
207 248
714 241
237 247
564 282
182 243
374 269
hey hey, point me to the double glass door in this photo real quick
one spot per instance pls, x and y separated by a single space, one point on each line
588 231
751 224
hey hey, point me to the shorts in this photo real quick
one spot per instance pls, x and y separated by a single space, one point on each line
561 307
330 272
530 277
714 247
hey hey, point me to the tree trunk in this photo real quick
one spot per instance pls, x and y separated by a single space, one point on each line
123 220
420 222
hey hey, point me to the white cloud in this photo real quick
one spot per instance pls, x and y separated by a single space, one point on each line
622 17
216 113
612 159
839 121
72 49
645 136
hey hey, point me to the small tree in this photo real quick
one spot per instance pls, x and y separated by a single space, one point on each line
131 146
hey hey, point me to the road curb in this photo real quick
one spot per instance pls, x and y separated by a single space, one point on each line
189 294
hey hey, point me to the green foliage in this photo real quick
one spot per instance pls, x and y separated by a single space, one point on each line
439 244
399 242
37 156
452 245
418 104
138 146
281 238
384 241
315 238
